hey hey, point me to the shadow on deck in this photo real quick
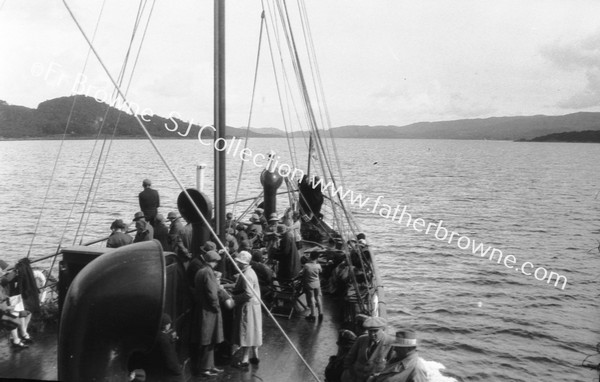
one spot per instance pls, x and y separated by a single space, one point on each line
278 361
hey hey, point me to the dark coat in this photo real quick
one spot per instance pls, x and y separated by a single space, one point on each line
149 203
358 366
161 233
118 239
146 235
289 259
207 323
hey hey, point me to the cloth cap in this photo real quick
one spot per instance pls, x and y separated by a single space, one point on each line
165 319
374 323
254 218
147 182
3 264
209 246
211 256
243 257
172 215
259 211
273 217
405 338
138 216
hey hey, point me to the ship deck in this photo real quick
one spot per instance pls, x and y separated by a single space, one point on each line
278 362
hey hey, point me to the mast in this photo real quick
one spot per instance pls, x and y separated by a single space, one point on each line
219 116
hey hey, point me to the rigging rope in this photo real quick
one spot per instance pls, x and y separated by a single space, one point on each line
62 144
178 181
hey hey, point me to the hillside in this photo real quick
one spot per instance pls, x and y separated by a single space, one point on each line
500 128
50 118
587 136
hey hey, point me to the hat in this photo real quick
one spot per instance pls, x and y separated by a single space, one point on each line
259 211
165 319
147 182
209 246
172 215
243 257
159 218
3 264
254 218
360 319
362 241
273 217
374 323
405 339
138 216
211 256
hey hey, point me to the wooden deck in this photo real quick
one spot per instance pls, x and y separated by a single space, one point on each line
278 362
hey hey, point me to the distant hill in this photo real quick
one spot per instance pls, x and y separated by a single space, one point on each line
587 136
50 118
499 128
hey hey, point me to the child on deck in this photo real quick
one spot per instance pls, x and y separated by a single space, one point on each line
312 285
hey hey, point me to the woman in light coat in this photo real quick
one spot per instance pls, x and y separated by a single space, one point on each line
247 325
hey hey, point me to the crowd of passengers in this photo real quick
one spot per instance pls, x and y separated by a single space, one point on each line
266 252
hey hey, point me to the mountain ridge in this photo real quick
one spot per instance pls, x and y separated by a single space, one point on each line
50 118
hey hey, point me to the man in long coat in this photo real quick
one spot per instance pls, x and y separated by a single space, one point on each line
368 354
149 201
207 323
289 259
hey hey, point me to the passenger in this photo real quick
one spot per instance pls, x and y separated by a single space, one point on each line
247 324
145 232
241 234
335 367
368 354
261 217
171 369
296 227
229 222
161 232
264 273
207 323
289 259
230 239
255 224
149 201
176 231
118 237
19 318
312 285
273 223
404 364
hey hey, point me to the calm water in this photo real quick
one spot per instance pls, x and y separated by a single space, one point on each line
536 201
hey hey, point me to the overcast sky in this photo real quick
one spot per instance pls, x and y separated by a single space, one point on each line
390 62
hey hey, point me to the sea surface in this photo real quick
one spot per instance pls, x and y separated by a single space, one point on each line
538 202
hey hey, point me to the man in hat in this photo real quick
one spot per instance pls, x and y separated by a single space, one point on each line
179 235
149 201
368 354
145 232
404 364
118 237
207 322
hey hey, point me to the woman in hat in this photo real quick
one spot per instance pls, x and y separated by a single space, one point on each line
118 237
247 324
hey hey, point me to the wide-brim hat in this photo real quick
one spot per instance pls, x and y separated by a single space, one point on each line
243 257
374 323
211 256
138 216
405 338
254 218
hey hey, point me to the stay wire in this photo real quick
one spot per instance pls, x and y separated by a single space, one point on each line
184 190
61 147
239 182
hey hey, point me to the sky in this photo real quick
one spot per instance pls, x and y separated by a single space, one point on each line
381 62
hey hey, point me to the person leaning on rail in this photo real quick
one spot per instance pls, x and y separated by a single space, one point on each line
145 232
404 364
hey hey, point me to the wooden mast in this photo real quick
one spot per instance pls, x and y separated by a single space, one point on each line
219 116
